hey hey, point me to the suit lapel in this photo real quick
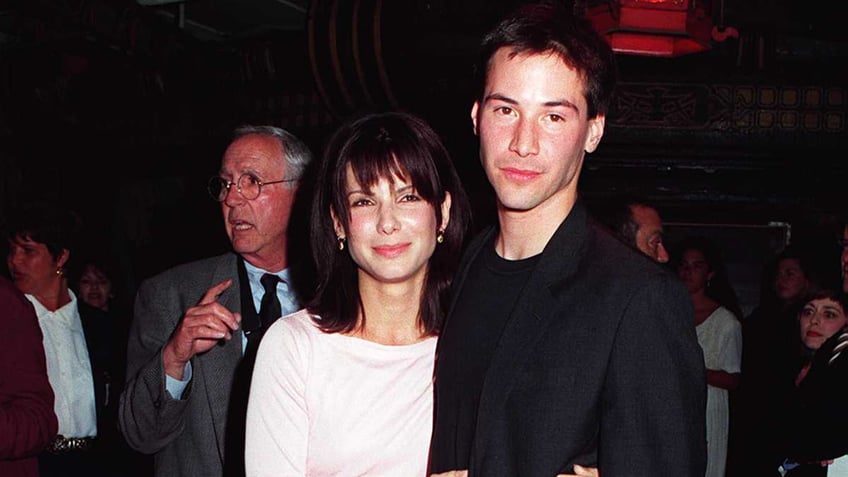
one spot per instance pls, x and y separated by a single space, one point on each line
219 364
534 311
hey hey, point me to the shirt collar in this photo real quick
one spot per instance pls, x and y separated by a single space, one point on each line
254 273
67 314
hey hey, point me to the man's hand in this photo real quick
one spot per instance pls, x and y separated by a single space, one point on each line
202 326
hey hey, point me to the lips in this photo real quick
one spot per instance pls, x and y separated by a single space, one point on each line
813 334
520 175
391 251
240 225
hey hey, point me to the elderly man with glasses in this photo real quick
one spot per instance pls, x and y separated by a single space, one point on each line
195 327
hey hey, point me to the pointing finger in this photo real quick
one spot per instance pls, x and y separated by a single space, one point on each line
214 292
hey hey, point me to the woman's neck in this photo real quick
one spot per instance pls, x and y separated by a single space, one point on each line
54 296
704 306
391 314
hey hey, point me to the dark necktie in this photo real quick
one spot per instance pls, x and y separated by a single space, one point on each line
269 307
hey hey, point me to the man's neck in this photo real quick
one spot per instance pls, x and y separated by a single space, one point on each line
268 264
526 233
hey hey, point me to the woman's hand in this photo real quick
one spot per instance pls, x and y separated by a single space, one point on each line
580 471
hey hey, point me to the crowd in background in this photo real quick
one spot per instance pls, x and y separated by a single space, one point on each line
345 383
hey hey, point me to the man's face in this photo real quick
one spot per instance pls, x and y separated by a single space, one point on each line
649 235
533 130
257 228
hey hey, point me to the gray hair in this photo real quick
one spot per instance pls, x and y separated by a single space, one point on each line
297 154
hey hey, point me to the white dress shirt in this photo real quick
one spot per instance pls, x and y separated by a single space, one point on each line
68 368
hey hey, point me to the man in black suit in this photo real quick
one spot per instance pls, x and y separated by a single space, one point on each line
563 346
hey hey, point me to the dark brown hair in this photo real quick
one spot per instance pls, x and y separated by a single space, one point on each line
551 28
379 146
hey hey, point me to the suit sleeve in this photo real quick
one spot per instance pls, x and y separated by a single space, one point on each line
149 417
27 419
653 418
818 416
277 426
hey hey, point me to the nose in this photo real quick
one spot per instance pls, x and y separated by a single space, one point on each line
815 319
525 139
662 254
387 222
12 257
233 197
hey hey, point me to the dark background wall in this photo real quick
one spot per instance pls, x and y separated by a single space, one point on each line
122 109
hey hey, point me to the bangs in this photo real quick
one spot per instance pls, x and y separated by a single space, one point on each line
392 155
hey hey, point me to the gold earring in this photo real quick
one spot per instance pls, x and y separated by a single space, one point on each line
341 241
440 236
59 271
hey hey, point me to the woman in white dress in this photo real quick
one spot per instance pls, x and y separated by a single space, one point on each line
345 386
720 335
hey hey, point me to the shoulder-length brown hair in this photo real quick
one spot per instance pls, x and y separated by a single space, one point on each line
375 146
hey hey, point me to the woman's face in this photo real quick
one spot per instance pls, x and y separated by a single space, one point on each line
790 283
694 270
819 320
95 287
392 230
33 269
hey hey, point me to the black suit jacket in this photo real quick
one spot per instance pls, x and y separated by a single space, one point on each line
817 412
598 364
105 363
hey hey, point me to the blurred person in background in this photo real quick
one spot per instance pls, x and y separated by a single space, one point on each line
816 417
769 360
719 331
79 350
635 223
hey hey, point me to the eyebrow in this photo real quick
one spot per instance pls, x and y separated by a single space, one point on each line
370 192
550 104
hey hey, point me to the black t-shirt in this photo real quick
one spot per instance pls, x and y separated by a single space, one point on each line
482 309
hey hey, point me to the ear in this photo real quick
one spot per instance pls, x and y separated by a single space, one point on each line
446 205
596 132
474 109
337 224
63 258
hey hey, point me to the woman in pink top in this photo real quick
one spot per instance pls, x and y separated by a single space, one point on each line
344 387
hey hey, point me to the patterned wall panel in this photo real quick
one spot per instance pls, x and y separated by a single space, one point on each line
785 113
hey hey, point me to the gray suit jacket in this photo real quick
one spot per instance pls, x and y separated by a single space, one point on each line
187 435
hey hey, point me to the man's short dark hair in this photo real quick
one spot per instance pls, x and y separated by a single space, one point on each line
552 28
617 215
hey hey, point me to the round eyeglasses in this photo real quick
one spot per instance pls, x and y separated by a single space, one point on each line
248 185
